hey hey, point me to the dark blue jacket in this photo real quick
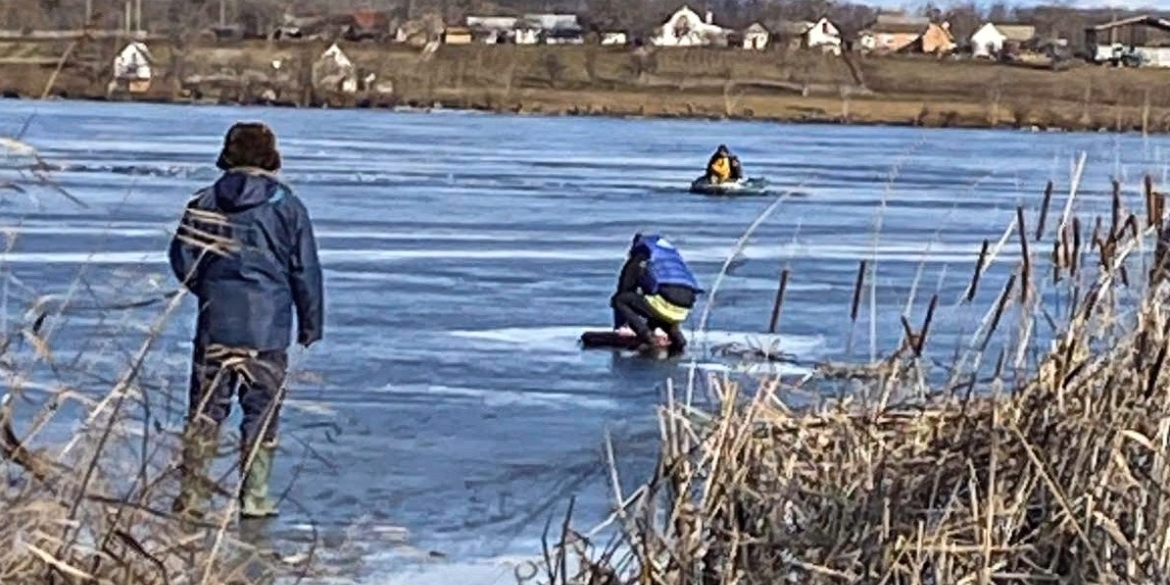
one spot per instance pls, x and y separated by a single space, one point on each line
247 295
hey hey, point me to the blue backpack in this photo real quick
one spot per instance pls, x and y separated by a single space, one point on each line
665 266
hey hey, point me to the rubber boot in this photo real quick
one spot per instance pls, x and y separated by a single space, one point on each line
255 501
199 447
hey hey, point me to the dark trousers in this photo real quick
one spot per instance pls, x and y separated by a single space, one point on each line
219 374
633 309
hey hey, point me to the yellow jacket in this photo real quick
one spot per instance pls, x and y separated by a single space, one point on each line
720 169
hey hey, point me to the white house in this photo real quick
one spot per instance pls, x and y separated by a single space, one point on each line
133 63
553 29
686 28
987 41
990 38
492 29
614 39
526 33
755 37
132 69
334 70
824 34
491 23
559 29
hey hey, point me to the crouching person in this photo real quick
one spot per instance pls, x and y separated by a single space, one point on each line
656 290
245 250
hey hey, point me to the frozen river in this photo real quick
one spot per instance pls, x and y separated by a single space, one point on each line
465 253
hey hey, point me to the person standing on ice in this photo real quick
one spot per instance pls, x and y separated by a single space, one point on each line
245 249
656 290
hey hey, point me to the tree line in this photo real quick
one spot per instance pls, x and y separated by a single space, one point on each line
638 17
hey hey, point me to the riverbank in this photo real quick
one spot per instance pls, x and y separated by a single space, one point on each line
776 86
91 504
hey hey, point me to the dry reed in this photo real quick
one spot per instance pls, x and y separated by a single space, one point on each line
96 509
1053 470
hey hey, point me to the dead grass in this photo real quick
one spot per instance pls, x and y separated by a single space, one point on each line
771 85
1025 463
96 509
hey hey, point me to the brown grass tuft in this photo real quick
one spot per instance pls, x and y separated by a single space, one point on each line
96 510
1025 461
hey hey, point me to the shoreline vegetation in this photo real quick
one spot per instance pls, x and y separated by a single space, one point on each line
95 509
699 83
1027 462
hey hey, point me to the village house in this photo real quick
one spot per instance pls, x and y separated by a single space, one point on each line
456 35
936 40
556 29
822 34
685 28
367 25
530 29
1145 39
564 36
898 33
356 26
789 34
614 39
334 71
296 27
991 38
132 68
755 37
420 31
526 32
892 32
492 29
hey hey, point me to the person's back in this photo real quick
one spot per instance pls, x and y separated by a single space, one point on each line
248 296
667 274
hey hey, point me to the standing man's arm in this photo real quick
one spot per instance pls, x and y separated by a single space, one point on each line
306 281
184 257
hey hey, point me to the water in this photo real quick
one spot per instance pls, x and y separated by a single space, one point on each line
465 253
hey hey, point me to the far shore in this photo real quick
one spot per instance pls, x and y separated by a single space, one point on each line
873 112
714 84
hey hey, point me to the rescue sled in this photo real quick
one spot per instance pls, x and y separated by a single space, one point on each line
741 187
610 339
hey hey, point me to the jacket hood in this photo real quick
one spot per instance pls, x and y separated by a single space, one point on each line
237 191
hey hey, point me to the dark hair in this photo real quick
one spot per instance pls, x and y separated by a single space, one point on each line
633 243
249 144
